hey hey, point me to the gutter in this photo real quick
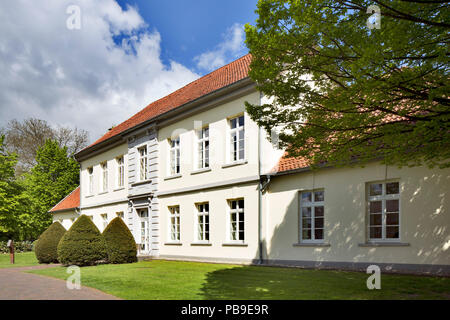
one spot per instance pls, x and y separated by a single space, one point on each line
260 244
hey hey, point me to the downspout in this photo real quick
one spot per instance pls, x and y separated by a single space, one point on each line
260 185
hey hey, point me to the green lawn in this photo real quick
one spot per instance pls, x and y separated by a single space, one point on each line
160 279
22 260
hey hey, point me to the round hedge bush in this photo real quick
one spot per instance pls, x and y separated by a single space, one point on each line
82 244
120 244
46 246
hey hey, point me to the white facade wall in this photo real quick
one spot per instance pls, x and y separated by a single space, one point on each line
424 216
114 199
114 192
221 182
219 248
66 218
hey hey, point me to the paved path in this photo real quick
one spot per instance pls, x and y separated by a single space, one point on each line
15 284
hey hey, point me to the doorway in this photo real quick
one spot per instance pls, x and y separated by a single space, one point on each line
144 247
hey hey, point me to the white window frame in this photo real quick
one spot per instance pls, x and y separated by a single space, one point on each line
203 147
104 176
236 131
142 163
174 229
230 222
120 183
174 156
383 198
90 171
311 204
105 222
202 212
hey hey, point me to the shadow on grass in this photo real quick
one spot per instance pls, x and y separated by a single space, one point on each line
253 282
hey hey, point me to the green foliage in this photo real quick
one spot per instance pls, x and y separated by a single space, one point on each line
82 244
54 176
47 244
19 246
12 201
120 244
362 93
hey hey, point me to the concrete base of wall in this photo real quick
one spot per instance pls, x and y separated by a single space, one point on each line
403 268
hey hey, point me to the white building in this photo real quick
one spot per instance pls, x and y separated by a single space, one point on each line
196 179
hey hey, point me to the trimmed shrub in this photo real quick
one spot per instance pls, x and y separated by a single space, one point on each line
120 244
82 244
46 247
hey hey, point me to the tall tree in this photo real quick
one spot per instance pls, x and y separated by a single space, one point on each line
347 85
11 194
24 138
55 174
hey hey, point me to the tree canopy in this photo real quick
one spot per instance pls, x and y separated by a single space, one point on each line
26 136
54 176
11 199
345 88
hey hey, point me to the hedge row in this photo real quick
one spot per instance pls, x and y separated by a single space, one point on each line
19 246
83 244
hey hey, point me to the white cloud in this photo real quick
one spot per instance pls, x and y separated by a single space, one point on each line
80 77
229 49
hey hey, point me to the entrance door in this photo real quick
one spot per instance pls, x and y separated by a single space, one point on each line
145 237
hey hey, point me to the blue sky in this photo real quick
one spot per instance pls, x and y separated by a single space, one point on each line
189 28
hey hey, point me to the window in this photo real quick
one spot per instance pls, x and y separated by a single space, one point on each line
174 156
174 223
236 220
237 148
203 222
104 184
203 148
312 215
120 172
91 180
104 220
120 215
384 211
143 168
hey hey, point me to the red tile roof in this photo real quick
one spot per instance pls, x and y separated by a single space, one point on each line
71 201
222 77
290 163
